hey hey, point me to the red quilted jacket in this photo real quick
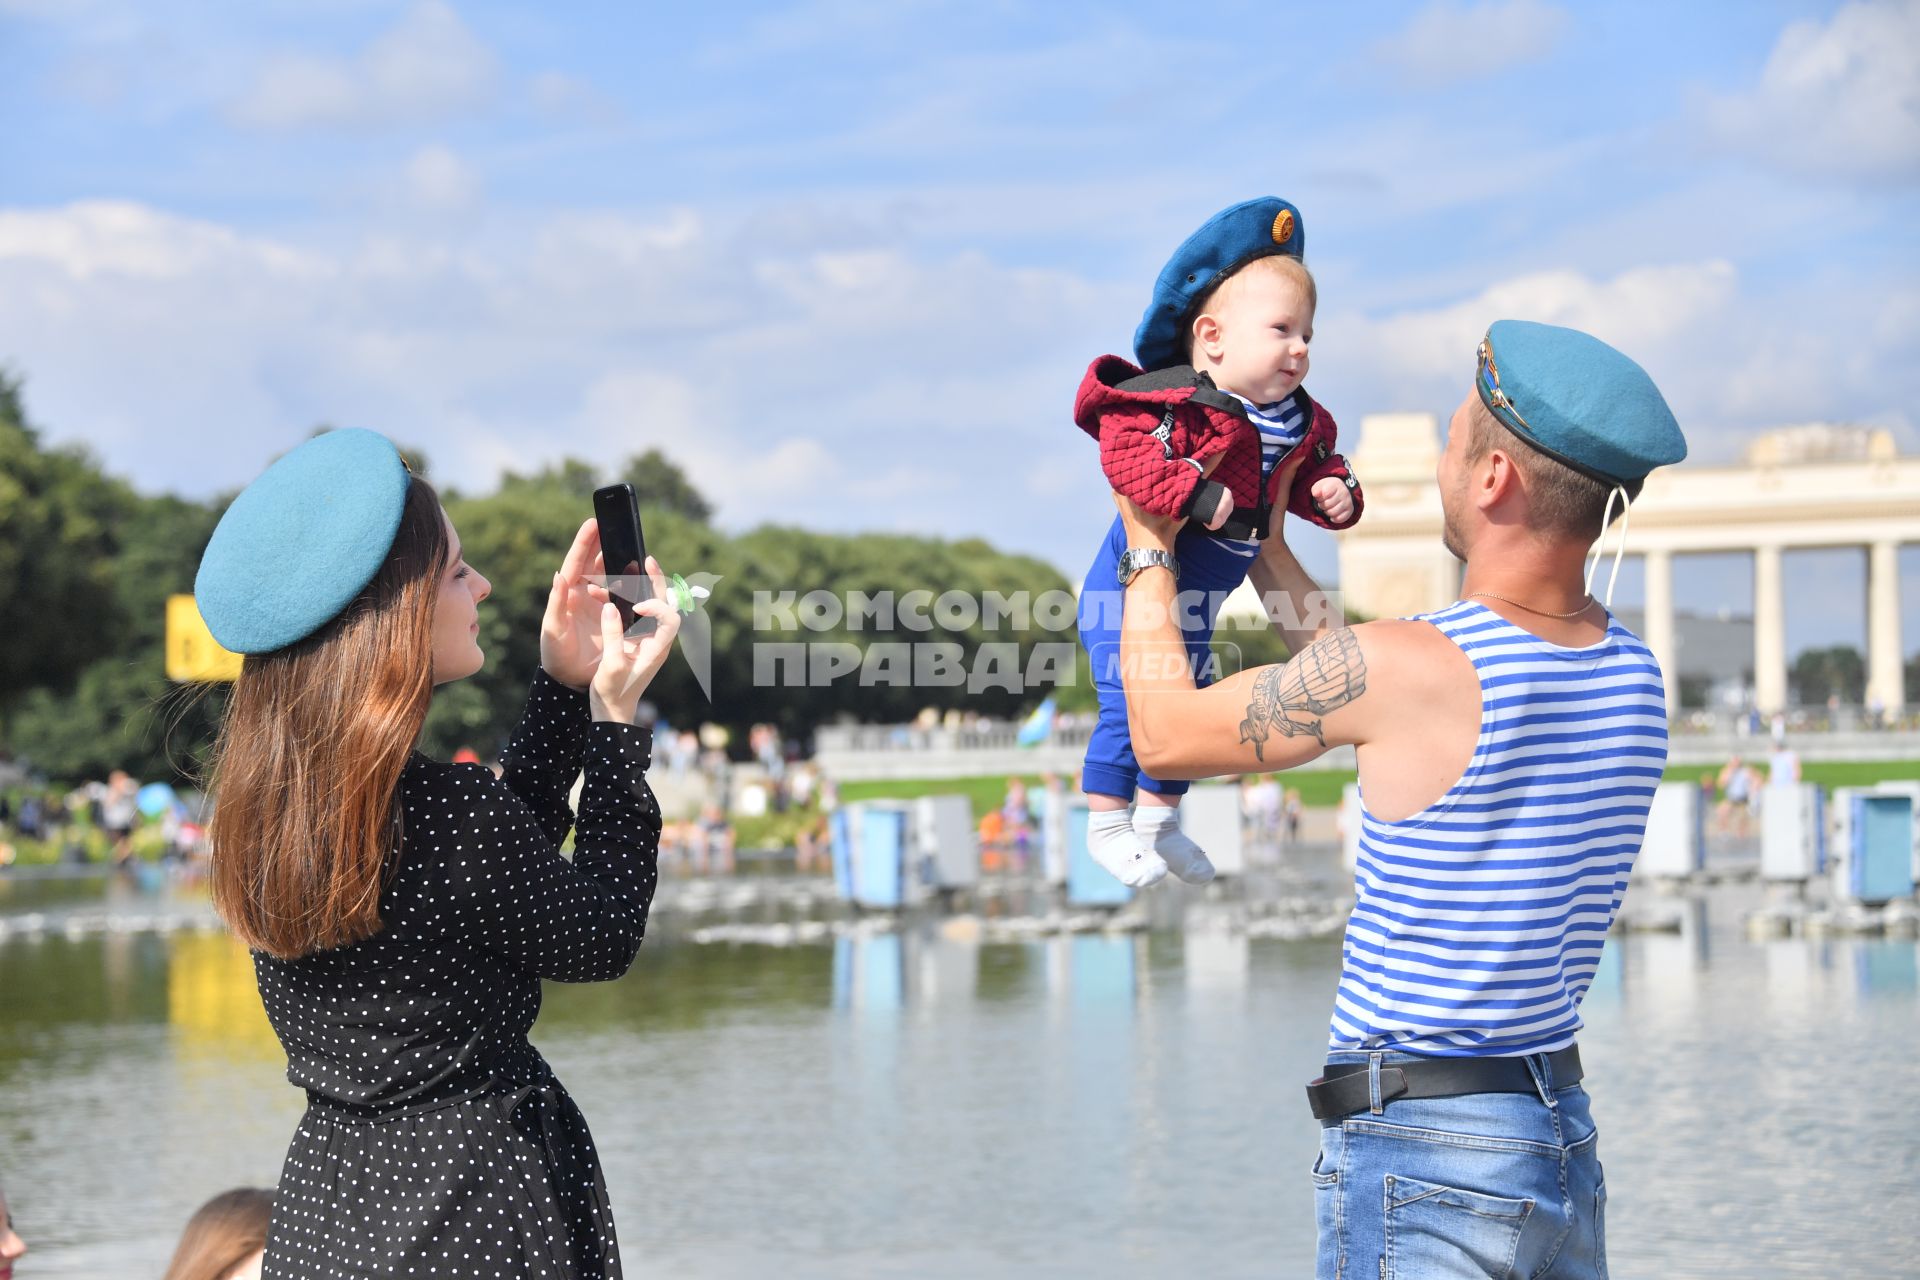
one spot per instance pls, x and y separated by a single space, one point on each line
1154 427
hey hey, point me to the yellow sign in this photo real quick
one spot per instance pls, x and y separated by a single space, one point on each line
192 652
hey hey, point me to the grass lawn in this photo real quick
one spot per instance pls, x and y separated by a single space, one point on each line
1320 788
147 845
1317 788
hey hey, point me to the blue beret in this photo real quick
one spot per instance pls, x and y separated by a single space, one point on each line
1229 240
1575 398
300 542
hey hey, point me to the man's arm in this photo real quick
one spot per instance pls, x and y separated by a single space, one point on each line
1294 603
1269 718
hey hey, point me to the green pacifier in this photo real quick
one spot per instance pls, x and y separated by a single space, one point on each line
686 597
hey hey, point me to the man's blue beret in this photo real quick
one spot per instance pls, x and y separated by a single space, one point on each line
1575 398
302 541
1229 240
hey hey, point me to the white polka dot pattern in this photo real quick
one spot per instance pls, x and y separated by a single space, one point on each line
437 1141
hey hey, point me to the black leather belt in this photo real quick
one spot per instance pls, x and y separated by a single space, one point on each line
1344 1089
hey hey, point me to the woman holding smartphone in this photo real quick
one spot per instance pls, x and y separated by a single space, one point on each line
403 912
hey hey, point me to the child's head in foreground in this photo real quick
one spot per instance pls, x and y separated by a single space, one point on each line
1249 332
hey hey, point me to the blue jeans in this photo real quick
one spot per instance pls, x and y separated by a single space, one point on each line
1485 1184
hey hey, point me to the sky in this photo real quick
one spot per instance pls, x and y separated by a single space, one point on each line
846 261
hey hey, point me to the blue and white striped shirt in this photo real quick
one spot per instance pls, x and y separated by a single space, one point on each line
1478 922
1281 426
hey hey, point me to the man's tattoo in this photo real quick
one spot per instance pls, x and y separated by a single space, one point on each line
1295 698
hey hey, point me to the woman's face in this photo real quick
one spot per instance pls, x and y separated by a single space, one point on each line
456 621
11 1245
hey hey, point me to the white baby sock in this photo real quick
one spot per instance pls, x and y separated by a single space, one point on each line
1111 841
1159 829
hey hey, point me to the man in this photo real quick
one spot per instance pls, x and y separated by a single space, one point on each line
1509 746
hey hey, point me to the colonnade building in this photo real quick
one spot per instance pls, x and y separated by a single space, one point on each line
1799 487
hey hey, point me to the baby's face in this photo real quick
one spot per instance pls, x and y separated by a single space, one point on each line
1266 322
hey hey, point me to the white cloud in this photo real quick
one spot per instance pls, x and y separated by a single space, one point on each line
128 240
1448 42
439 180
1729 357
570 98
852 388
1635 310
1840 99
427 67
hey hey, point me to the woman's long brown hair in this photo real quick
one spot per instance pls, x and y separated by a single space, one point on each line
222 1234
306 767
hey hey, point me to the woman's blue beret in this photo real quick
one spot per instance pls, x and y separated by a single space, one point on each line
302 541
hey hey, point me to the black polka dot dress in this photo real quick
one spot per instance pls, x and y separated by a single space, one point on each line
437 1142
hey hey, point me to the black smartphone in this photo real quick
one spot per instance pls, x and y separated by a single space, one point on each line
624 549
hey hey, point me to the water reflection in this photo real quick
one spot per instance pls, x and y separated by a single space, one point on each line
1886 969
870 975
1118 1103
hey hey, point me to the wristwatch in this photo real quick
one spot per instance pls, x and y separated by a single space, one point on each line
1134 559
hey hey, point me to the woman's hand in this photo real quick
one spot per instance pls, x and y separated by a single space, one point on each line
628 666
570 633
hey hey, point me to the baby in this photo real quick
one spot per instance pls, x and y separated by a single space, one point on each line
1202 428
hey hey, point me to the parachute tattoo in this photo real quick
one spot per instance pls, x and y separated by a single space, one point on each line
1295 698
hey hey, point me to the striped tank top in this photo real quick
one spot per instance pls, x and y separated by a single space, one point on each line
1281 426
1478 922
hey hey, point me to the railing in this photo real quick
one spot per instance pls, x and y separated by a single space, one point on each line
989 736
1812 719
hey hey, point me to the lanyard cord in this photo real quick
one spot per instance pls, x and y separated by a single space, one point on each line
1620 549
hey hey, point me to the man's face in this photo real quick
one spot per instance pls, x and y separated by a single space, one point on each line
1266 322
1451 477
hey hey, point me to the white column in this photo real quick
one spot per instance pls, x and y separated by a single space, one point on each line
1884 683
1659 624
1769 632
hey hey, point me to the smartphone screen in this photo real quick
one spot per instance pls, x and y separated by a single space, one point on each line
617 510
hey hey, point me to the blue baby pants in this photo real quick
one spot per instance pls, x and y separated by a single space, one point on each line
1485 1184
1209 572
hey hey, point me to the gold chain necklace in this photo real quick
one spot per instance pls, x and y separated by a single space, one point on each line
1530 609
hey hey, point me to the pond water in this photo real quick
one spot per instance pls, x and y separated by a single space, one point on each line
930 1101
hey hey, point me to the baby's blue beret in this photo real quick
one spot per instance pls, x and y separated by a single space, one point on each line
1227 241
301 542
1575 398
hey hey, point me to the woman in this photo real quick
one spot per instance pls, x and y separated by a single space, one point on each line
402 912
225 1238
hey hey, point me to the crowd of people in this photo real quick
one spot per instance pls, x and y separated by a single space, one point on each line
98 821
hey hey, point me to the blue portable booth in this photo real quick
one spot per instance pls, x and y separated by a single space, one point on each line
1873 848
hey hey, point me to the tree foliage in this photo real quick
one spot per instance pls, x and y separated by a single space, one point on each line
87 564
61 526
1819 674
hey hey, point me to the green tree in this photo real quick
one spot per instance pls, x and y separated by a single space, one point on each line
122 711
1818 674
663 486
86 566
59 523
